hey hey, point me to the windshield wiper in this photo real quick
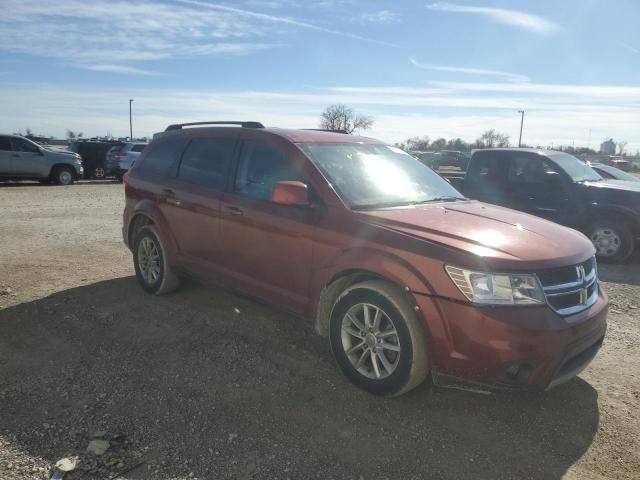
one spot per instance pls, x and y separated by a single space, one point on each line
440 199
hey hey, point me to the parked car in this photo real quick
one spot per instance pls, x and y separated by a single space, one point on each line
430 159
93 153
22 159
453 158
404 275
613 173
620 163
559 187
120 157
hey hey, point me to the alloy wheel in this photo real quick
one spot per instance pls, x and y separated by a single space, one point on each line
65 177
370 341
149 260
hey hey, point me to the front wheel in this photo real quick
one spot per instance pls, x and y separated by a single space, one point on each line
153 271
63 176
377 340
613 241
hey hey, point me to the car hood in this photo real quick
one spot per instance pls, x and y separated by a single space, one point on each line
486 231
615 185
55 150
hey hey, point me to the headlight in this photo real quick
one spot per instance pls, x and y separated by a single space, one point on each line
497 289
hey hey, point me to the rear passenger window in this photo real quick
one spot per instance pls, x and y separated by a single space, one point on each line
161 155
260 168
138 148
206 162
5 144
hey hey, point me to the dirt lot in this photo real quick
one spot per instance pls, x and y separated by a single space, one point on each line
205 384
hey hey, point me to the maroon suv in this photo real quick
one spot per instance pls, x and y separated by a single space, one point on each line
404 275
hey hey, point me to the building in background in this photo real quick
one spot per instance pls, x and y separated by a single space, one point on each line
608 147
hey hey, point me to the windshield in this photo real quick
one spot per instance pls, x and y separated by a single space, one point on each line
618 174
369 176
576 169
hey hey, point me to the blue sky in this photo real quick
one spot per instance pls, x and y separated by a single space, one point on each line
451 69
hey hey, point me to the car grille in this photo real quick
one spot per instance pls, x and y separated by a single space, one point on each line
571 289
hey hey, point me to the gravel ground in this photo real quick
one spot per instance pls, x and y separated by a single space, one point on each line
206 384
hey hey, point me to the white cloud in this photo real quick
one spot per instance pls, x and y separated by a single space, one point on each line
105 67
282 20
511 77
630 48
102 32
558 114
512 18
381 16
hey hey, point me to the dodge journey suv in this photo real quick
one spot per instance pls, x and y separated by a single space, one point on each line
406 277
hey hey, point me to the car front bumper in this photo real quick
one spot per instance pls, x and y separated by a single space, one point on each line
511 347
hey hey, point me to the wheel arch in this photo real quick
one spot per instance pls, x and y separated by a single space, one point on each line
355 267
56 166
146 213
616 213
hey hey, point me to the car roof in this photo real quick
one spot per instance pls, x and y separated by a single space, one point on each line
292 134
539 151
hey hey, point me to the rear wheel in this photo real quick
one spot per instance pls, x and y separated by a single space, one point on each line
613 241
377 340
98 172
63 176
153 271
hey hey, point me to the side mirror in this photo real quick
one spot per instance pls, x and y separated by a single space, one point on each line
290 192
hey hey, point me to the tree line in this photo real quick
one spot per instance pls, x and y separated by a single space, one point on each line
342 118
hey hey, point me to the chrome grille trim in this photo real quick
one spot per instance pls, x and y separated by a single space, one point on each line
580 287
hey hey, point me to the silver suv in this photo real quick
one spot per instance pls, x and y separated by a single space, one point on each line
22 159
121 157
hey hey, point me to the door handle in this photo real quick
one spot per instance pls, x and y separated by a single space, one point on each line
233 210
170 197
16 155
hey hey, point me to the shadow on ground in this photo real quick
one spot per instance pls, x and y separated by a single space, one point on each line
207 382
629 273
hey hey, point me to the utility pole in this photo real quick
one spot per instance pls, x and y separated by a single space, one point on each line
130 121
521 112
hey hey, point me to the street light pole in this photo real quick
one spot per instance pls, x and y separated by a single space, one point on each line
521 112
130 121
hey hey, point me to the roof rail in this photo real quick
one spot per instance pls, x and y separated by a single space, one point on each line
326 130
178 126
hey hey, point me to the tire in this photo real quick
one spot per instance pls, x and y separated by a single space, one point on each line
613 240
63 176
147 243
98 172
404 350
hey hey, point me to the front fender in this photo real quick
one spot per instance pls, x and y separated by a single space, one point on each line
371 260
608 211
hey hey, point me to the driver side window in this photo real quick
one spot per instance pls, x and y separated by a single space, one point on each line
260 167
20 145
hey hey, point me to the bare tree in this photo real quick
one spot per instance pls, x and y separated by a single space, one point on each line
71 134
341 117
622 144
439 144
491 139
415 144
